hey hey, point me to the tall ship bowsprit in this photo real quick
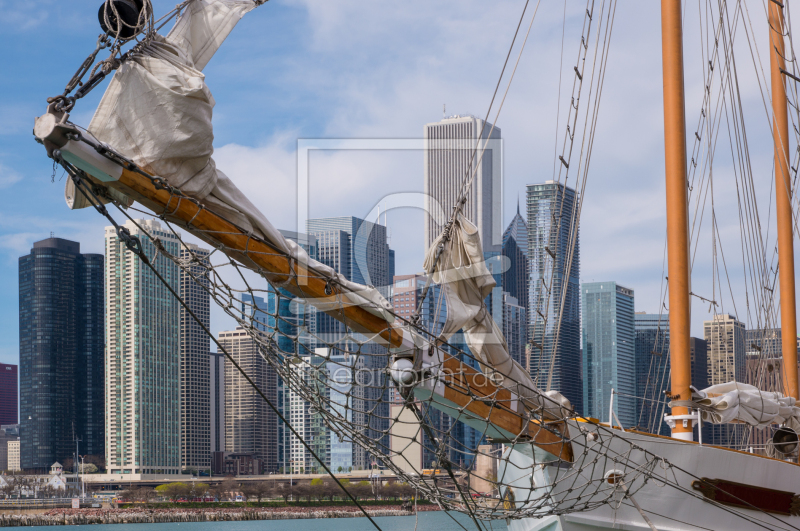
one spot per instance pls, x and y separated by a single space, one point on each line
535 464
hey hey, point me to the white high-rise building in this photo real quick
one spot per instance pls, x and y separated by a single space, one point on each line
195 367
314 371
250 425
726 351
143 356
725 336
13 456
449 148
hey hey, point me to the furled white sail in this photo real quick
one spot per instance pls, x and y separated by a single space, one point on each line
461 270
157 111
734 401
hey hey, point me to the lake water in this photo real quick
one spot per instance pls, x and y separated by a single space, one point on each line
432 520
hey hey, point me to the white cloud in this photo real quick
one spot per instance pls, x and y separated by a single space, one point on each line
8 177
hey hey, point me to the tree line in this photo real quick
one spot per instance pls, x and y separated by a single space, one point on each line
259 491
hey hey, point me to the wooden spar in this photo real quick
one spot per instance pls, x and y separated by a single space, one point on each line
276 265
783 201
485 400
677 211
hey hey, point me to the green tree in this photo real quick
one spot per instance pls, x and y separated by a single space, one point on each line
197 489
88 468
173 491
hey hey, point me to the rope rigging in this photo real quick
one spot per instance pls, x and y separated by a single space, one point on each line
569 471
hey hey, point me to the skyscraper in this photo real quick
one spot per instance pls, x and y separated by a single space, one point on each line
698 349
143 356
250 424
195 367
554 311
361 254
61 353
454 154
340 380
313 371
652 370
296 323
8 394
725 335
608 351
515 329
515 251
217 400
359 251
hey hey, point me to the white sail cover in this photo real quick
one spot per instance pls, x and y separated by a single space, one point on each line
466 281
734 401
157 112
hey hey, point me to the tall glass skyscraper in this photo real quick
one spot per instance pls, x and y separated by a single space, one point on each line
449 161
9 388
143 356
358 250
296 325
515 251
195 363
554 282
652 370
61 353
609 351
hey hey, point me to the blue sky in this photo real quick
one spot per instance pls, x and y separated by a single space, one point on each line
357 69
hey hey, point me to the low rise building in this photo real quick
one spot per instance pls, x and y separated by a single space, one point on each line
13 455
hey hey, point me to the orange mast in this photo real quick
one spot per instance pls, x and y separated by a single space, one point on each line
783 201
677 214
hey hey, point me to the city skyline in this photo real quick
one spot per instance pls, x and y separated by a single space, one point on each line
762 339
397 94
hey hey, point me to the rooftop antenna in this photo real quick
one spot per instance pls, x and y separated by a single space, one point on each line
52 234
444 110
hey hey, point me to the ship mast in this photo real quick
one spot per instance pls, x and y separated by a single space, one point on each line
783 201
677 215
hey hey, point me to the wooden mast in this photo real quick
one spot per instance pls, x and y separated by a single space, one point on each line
677 214
783 201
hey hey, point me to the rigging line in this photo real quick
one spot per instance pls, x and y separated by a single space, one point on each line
445 462
773 32
468 185
556 220
462 193
736 105
558 104
584 164
676 485
753 225
709 156
703 119
98 205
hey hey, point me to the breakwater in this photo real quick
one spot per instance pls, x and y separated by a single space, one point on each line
156 516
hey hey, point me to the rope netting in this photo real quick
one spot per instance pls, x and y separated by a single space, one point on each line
443 422
453 453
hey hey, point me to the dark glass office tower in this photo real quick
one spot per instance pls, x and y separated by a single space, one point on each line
61 324
554 311
515 249
8 394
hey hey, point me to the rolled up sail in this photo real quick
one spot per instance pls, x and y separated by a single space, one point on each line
466 281
738 402
157 111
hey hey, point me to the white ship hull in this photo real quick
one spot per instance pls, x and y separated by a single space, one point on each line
674 506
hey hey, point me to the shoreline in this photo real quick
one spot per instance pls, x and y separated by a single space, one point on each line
160 516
